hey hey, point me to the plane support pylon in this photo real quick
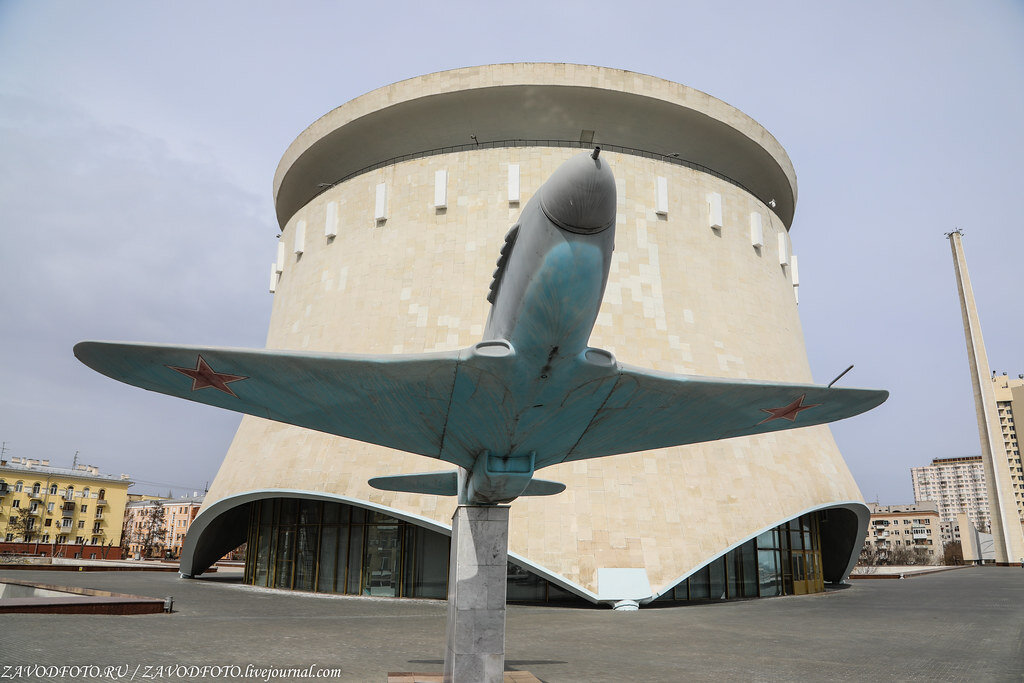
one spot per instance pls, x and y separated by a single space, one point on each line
477 575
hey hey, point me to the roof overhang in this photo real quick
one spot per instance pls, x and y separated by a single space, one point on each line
534 102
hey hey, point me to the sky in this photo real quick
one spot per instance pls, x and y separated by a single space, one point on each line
138 143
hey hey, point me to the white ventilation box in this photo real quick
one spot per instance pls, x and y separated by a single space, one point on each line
513 183
440 189
380 205
274 273
714 210
280 257
661 196
300 237
756 230
794 271
783 249
331 223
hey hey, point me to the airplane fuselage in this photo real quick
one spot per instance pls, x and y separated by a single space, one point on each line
546 298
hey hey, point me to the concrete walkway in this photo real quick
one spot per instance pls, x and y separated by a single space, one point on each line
951 626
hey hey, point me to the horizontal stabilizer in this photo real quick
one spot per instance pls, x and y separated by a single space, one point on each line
446 484
543 487
433 483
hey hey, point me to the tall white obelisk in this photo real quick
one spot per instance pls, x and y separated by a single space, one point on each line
1006 528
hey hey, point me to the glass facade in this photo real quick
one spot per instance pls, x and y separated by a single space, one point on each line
783 561
338 548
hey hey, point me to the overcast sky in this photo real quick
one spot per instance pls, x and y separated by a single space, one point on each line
138 143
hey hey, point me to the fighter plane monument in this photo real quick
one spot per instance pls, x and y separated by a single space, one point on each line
531 394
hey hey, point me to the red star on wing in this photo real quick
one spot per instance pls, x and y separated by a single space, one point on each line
787 412
204 376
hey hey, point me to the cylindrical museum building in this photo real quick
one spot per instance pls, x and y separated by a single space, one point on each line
393 208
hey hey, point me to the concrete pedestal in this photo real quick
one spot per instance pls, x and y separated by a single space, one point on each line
475 650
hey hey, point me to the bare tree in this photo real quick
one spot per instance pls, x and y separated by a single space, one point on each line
953 553
148 533
22 525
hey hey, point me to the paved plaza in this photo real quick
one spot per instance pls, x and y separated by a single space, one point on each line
959 625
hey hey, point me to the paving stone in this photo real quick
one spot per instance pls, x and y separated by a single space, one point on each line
953 626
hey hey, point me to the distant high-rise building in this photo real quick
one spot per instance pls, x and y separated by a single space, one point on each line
994 399
1010 395
958 486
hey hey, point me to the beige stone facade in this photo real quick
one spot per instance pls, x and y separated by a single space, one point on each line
682 297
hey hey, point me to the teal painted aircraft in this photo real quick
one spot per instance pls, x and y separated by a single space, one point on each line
530 395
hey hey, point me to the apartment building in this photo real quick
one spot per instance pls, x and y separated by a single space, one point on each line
156 527
907 526
958 486
63 512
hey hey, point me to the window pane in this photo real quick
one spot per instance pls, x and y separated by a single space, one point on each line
288 511
358 515
267 511
732 573
328 558
262 557
332 512
716 575
285 548
524 585
309 512
769 581
355 560
769 539
305 557
699 584
380 561
749 567
431 564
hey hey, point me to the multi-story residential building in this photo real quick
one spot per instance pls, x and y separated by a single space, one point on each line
156 527
1010 395
958 486
57 511
907 526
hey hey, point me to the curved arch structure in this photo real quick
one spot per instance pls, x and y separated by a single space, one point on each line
399 259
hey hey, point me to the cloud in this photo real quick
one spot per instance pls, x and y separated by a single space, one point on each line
108 235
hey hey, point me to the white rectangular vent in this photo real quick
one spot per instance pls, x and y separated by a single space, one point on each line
440 189
280 257
513 183
274 274
714 210
331 224
380 205
661 197
794 271
756 230
783 249
300 237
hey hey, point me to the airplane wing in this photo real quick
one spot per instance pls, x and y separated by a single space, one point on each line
648 409
394 400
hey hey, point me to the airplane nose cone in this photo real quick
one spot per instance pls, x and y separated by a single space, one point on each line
580 195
